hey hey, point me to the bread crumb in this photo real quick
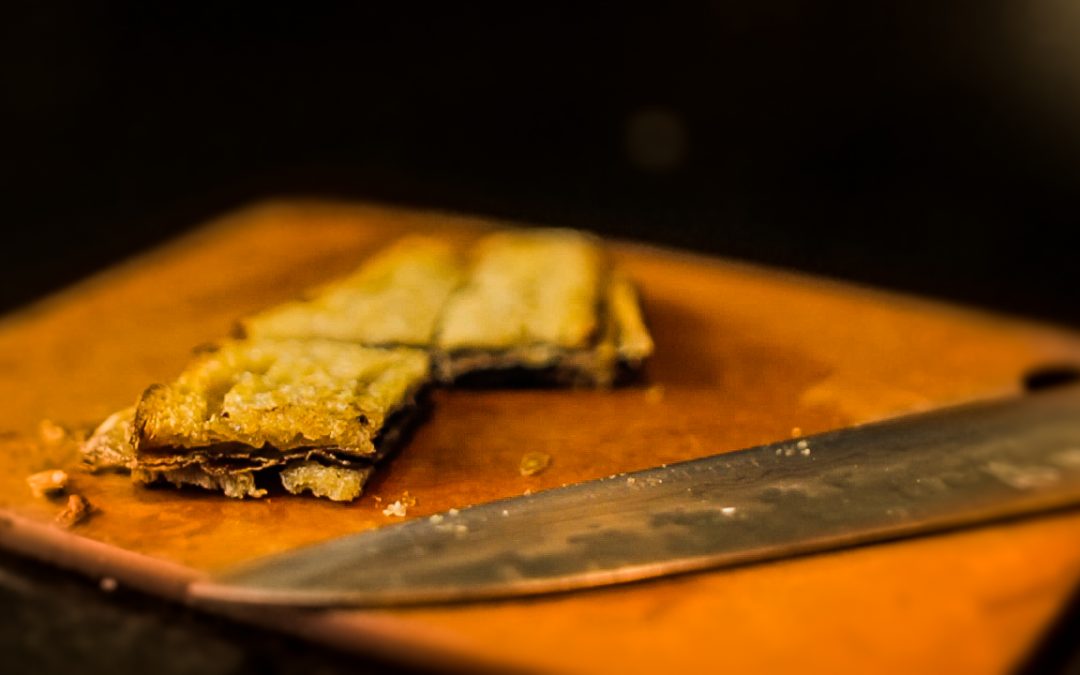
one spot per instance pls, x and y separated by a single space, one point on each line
77 510
396 509
50 432
796 432
108 584
654 394
407 499
533 463
47 483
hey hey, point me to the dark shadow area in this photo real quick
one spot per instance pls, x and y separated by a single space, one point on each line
54 622
930 147
1057 651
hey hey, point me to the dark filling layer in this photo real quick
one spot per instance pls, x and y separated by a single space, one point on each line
230 458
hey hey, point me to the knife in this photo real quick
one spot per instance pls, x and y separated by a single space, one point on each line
923 473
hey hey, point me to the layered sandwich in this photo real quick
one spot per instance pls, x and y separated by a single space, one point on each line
316 391
544 305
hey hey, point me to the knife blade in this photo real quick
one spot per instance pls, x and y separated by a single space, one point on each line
918 474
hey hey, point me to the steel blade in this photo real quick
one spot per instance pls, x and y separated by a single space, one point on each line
868 483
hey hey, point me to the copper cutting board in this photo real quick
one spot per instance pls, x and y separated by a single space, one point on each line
744 354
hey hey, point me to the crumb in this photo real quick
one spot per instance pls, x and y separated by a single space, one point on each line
47 483
453 512
527 492
631 480
805 452
796 432
206 348
506 512
108 584
779 451
533 463
802 445
76 511
728 510
50 432
407 499
377 498
654 394
396 509
436 519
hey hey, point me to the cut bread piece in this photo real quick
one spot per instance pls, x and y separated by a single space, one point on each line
337 483
258 407
394 299
544 304
283 395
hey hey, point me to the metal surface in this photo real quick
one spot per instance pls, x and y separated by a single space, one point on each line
869 483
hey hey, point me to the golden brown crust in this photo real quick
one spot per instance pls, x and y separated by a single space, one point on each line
281 394
110 446
621 344
526 288
337 483
394 299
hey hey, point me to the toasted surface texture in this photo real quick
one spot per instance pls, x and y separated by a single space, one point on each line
525 288
284 395
395 298
110 446
338 483
543 303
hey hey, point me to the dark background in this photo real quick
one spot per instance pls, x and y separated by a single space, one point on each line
927 146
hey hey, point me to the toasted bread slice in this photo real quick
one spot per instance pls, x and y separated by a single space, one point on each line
313 414
545 304
394 299
285 395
